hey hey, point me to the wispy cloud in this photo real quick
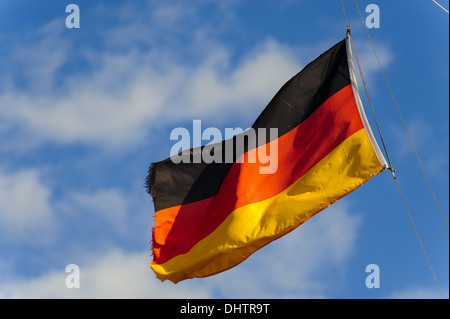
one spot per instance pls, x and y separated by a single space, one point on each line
115 274
428 142
25 210
108 204
117 102
133 79
417 293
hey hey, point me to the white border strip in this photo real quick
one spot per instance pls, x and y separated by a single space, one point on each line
362 114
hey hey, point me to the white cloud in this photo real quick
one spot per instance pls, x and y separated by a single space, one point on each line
417 293
113 275
25 209
109 204
138 80
251 83
421 132
85 115
103 110
130 87
34 58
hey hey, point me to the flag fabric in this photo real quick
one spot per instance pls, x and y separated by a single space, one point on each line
210 217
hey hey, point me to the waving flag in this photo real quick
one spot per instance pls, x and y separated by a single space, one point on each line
210 216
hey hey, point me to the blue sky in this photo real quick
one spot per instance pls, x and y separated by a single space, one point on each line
83 112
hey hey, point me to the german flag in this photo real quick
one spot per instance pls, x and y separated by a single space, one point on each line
210 217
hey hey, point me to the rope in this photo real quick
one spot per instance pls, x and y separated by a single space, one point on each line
371 108
392 170
439 6
403 122
367 93
384 146
387 155
345 18
417 235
